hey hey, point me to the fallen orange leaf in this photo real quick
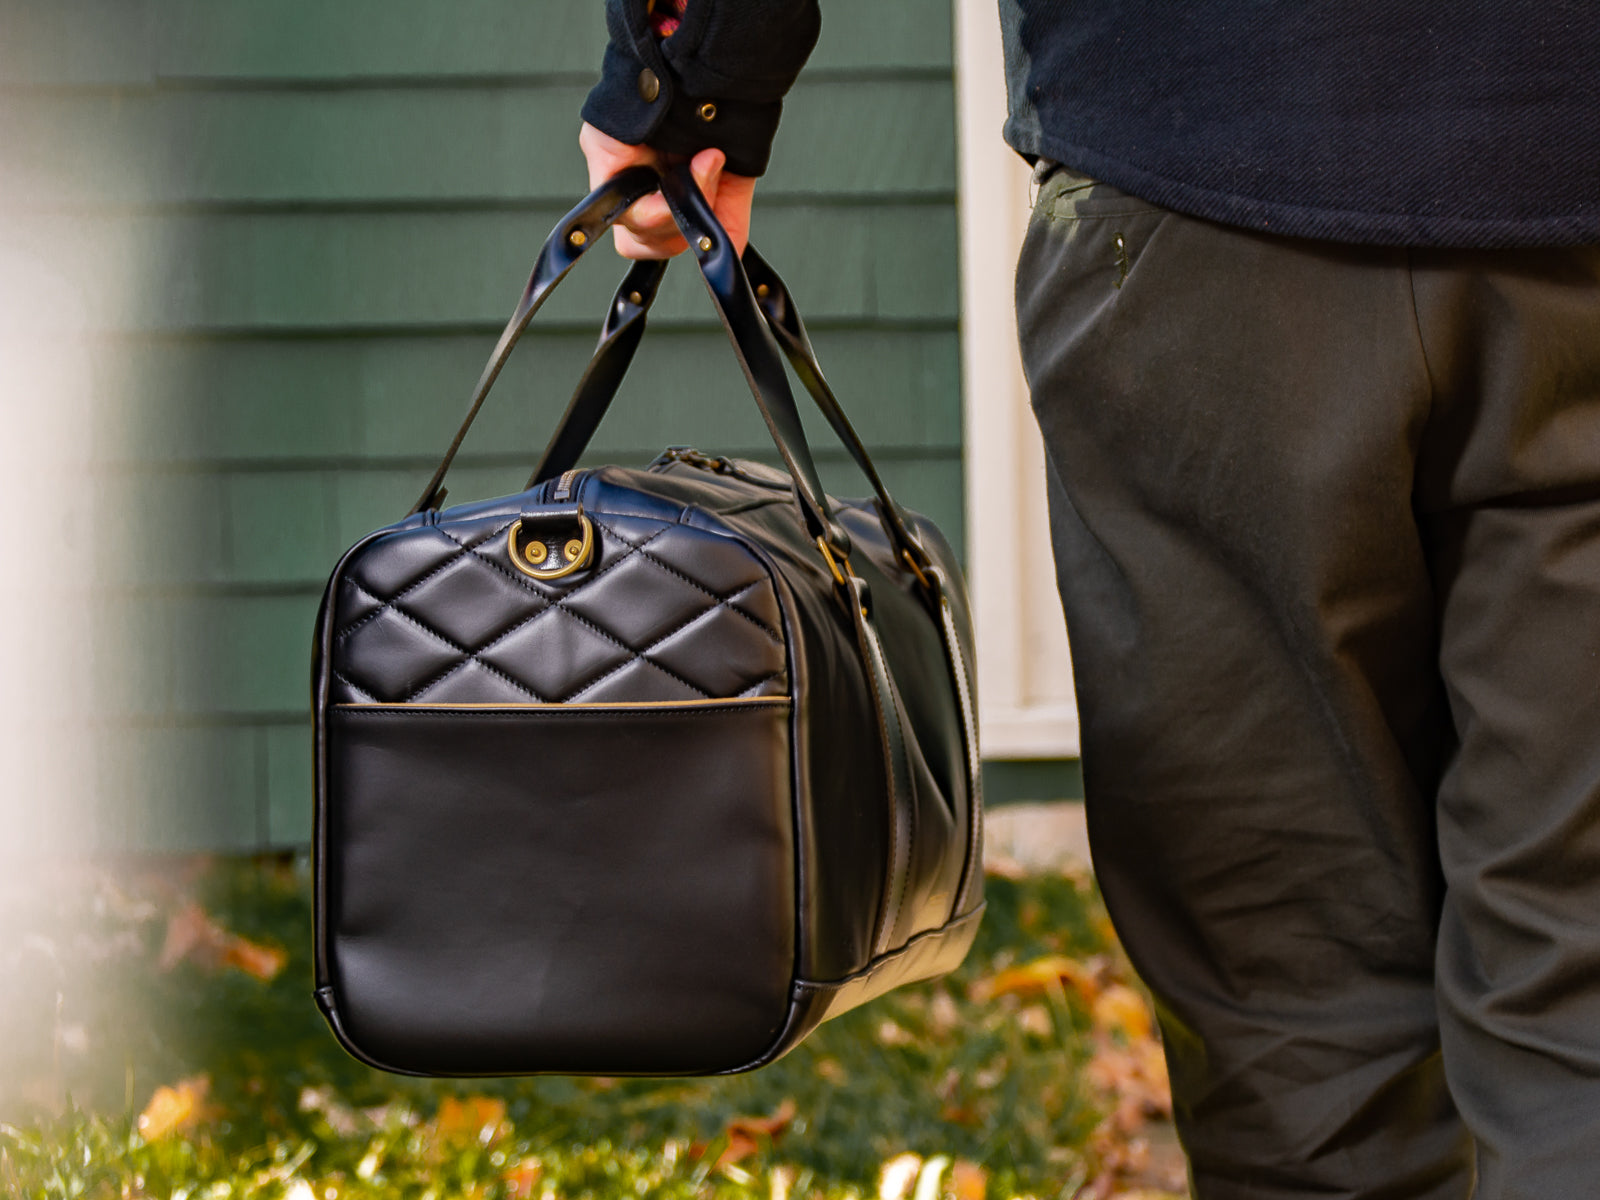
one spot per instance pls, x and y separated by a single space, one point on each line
193 934
262 962
1135 1078
1121 1009
1039 977
745 1134
521 1179
968 1181
473 1119
175 1109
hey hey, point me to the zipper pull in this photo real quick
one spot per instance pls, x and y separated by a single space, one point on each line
563 488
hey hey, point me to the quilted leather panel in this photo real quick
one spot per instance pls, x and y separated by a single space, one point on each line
437 614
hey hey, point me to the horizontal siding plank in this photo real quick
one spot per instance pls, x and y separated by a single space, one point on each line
245 271
507 144
343 398
242 654
179 790
75 42
289 808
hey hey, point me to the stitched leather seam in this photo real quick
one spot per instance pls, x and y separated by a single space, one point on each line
724 601
562 601
638 548
639 657
354 686
576 616
764 680
633 549
467 657
667 637
464 548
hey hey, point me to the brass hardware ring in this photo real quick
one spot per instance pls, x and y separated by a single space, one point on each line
576 552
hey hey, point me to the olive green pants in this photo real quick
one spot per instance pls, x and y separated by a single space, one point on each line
1327 531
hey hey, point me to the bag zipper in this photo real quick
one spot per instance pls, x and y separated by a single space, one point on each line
563 489
717 464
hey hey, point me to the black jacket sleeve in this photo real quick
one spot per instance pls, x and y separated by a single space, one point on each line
719 80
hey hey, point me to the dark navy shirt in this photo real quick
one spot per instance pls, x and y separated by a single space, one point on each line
1427 122
1421 122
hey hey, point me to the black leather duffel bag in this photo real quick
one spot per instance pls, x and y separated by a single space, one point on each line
641 771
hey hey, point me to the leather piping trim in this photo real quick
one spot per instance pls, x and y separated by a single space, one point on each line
897 769
884 961
730 702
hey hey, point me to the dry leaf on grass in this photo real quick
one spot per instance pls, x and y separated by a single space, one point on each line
194 936
1044 976
745 1134
968 1181
464 1120
176 1109
521 1179
1134 1078
1120 1009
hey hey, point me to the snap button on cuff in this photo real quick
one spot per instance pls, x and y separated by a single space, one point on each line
649 86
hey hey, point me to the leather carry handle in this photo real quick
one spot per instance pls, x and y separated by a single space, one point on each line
747 330
754 347
620 339
784 319
571 238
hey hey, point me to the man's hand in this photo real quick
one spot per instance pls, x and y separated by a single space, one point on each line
647 230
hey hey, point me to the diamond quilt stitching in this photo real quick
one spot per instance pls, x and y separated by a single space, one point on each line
355 687
562 604
635 549
466 657
415 583
670 569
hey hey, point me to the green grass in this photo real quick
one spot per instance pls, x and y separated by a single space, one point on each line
97 1025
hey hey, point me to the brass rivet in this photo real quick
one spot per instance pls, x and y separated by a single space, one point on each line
535 552
708 111
577 237
572 549
705 244
635 298
649 86
762 290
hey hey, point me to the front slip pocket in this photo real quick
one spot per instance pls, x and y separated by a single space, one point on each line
578 888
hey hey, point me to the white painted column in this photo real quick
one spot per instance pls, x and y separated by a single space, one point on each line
1025 695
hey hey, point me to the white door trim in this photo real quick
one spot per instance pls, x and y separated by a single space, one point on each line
1025 696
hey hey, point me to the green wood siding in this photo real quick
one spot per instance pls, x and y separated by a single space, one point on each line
335 206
